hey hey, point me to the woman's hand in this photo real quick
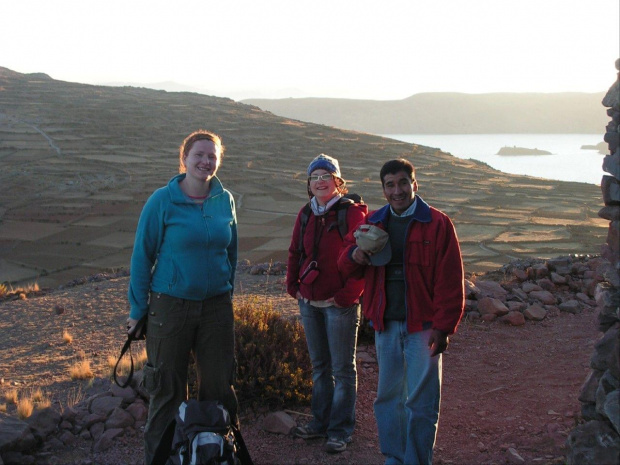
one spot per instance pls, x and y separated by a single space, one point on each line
333 302
298 295
131 327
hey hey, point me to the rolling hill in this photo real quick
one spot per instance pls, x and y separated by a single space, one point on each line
78 161
452 113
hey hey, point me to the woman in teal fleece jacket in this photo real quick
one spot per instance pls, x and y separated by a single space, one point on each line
182 274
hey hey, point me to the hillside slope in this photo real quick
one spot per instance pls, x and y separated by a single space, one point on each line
78 161
452 113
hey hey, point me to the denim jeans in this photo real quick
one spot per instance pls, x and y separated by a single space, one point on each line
178 328
331 334
408 395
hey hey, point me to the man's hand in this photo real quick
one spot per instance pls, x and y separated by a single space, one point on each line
360 257
438 342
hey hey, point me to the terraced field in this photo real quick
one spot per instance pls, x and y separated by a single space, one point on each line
78 161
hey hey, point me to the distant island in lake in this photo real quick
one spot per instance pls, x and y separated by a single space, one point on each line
514 150
602 147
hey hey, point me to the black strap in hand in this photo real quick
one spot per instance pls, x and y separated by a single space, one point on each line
140 330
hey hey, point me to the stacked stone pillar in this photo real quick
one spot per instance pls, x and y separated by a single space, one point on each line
597 439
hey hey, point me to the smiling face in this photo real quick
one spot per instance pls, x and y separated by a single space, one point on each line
202 160
323 189
399 190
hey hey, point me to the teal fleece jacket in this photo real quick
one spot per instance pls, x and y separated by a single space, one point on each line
183 249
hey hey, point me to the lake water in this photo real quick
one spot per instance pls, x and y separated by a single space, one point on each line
567 162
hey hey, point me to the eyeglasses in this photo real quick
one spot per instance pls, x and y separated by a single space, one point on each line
320 177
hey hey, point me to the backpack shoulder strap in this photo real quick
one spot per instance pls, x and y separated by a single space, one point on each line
341 210
305 214
343 207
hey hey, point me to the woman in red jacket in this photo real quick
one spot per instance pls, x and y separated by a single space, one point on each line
329 302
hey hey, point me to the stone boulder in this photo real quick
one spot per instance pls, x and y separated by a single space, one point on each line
491 306
278 422
513 318
535 312
105 405
545 297
594 442
570 306
107 439
491 289
530 287
15 435
44 422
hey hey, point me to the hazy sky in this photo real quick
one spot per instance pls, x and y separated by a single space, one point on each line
372 49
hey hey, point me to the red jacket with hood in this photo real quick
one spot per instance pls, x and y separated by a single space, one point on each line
330 282
433 270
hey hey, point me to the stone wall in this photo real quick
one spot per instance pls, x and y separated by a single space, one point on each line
597 439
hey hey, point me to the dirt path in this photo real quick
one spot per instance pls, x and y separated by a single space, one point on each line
504 387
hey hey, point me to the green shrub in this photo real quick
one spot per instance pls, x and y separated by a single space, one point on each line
273 364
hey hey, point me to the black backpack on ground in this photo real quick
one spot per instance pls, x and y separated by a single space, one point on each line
204 435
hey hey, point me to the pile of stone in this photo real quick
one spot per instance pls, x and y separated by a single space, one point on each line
536 289
598 439
267 268
100 419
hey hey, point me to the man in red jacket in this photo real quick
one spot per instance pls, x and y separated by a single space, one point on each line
414 298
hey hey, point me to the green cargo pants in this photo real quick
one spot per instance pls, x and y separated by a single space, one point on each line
176 329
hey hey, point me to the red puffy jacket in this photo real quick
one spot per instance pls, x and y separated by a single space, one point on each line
434 283
330 282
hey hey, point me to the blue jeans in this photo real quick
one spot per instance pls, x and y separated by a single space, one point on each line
331 334
408 395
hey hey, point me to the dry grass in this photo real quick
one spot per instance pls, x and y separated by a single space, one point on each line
37 395
11 396
67 337
21 292
75 396
25 407
139 360
40 399
26 404
81 370
44 403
